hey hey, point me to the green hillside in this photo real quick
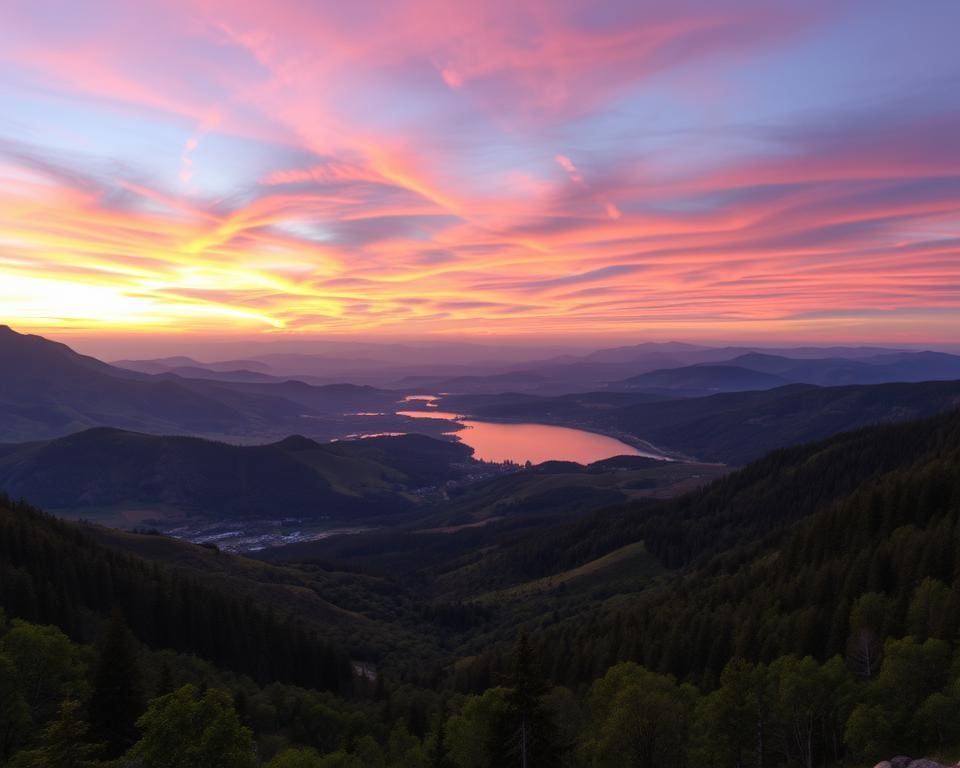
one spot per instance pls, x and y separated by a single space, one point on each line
104 470
813 596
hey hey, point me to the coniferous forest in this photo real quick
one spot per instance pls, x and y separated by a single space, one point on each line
803 611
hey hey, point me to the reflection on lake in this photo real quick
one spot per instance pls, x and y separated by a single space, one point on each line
528 442
540 442
431 415
365 435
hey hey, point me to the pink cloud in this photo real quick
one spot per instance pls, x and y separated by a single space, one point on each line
413 154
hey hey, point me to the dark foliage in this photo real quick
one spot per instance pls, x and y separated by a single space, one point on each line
52 572
118 697
774 557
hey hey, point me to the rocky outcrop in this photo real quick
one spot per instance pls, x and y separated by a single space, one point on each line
909 762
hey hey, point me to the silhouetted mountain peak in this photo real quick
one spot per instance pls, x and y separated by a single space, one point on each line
709 376
760 357
35 355
296 443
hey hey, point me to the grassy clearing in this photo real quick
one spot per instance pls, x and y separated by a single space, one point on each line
636 552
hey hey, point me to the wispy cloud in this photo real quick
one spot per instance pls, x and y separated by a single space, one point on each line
424 167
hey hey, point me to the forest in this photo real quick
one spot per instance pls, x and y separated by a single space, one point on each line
118 703
803 611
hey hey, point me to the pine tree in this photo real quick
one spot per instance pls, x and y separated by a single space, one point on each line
14 712
118 697
532 736
164 680
438 754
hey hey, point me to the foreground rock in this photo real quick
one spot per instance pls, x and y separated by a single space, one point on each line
909 762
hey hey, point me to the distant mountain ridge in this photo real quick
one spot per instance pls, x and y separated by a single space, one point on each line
731 427
681 370
875 369
168 364
47 390
399 366
762 370
707 376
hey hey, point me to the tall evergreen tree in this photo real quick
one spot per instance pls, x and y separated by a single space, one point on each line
118 695
14 711
532 738
438 753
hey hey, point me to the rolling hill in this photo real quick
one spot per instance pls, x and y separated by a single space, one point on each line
767 561
756 370
873 369
773 559
47 390
475 517
105 469
733 428
701 379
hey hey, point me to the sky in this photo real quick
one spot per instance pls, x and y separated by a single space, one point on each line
750 170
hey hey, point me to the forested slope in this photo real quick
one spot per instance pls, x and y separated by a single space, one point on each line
773 559
52 572
803 611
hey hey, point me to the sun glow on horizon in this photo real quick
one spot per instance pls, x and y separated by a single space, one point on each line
428 169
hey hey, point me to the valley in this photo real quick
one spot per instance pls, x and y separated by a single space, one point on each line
627 525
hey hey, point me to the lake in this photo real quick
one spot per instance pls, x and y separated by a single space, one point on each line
540 442
524 442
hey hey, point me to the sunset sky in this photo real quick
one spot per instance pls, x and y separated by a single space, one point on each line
765 171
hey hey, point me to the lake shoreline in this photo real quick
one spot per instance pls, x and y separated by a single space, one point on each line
432 410
624 437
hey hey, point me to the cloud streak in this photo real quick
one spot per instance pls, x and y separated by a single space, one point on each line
426 168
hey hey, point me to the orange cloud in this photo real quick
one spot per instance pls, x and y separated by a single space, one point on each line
453 169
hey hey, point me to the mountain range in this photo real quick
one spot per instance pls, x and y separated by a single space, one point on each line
756 370
670 368
47 390
715 408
